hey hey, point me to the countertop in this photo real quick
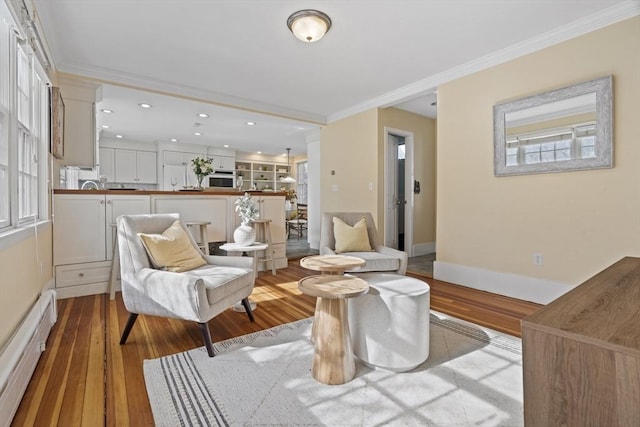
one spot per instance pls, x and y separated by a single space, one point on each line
174 193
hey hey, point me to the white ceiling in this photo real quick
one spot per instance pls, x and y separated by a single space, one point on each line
240 53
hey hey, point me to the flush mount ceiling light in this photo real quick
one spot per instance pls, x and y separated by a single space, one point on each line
288 179
106 111
203 115
144 105
309 25
251 123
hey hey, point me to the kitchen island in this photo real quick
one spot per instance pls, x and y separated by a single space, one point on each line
84 227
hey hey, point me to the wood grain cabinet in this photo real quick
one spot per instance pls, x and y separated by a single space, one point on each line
581 353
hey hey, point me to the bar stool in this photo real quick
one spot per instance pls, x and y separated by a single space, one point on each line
203 241
263 234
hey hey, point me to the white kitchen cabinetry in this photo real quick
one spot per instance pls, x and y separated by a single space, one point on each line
223 163
197 208
107 164
83 238
178 164
135 166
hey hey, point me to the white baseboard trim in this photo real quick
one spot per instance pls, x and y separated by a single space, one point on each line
526 288
424 248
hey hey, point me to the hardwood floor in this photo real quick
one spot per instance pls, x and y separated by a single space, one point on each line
86 378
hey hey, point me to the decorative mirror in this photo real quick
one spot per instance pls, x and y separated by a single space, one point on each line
561 130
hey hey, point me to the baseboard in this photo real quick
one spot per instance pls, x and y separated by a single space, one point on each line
424 248
19 358
526 288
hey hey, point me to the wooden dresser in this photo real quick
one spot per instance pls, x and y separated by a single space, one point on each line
581 353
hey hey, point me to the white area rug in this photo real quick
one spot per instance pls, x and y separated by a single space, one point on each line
473 377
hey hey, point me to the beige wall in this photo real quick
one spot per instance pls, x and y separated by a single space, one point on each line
350 148
580 221
22 279
424 135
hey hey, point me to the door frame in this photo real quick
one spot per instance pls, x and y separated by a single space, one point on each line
389 181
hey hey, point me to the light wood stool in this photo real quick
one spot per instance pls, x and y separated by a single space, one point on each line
203 240
263 234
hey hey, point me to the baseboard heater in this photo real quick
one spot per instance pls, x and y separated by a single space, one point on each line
20 357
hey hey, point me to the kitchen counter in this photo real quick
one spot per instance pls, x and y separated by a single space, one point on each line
175 193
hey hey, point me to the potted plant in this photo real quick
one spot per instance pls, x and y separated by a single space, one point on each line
201 167
289 197
247 210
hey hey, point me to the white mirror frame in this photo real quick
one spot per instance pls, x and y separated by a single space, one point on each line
602 87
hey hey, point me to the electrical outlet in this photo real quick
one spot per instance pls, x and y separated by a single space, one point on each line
537 259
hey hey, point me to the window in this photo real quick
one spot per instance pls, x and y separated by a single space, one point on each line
24 133
302 183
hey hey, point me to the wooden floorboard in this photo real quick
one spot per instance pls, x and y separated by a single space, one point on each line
86 378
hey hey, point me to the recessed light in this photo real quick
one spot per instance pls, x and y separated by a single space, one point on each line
174 139
197 133
106 111
251 123
105 126
226 145
203 115
259 152
119 136
144 105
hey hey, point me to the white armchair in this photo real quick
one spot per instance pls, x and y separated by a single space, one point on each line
382 258
199 294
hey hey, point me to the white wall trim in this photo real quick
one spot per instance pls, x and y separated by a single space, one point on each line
617 13
13 236
424 248
512 285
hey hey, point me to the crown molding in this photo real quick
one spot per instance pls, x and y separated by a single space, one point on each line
116 78
609 16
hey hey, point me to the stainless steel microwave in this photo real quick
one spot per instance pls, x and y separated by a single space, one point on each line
223 180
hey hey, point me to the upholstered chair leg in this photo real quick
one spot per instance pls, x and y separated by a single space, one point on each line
247 308
127 328
204 327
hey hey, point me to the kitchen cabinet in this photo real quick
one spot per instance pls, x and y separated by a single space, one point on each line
107 164
83 236
178 164
133 166
222 163
198 208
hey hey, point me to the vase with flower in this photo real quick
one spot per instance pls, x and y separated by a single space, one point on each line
247 210
202 168
289 197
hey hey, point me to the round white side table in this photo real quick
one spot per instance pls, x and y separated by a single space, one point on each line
245 250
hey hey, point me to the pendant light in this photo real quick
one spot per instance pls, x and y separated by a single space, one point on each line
288 179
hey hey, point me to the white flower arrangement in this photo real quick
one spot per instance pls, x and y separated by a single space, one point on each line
246 209
202 167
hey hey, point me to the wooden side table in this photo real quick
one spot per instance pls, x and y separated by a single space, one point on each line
333 359
331 264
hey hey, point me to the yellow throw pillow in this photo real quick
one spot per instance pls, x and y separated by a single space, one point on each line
172 249
351 239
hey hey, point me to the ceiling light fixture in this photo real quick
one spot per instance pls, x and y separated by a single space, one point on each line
203 115
119 136
288 179
251 123
144 105
174 139
105 126
197 133
106 111
309 25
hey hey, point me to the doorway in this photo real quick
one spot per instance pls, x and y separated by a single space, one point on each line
398 197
